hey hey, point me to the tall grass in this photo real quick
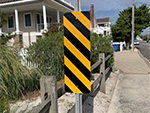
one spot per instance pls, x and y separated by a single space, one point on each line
15 79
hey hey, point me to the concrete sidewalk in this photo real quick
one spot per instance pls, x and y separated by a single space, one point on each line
132 92
131 62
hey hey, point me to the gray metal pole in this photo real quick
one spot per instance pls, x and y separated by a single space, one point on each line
79 5
133 26
76 5
78 106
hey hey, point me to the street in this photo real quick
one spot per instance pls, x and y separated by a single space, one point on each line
144 48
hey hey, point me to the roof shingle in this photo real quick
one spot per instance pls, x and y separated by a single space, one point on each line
103 20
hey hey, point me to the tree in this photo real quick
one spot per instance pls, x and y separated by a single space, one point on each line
121 31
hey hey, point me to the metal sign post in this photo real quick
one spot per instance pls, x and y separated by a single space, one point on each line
78 105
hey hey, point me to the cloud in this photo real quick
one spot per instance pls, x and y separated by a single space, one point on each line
146 31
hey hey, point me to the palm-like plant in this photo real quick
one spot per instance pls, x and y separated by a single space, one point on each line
15 79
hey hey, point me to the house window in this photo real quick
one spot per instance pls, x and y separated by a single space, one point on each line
38 18
50 19
11 22
27 20
47 19
104 32
42 19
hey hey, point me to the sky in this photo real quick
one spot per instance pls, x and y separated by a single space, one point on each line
110 8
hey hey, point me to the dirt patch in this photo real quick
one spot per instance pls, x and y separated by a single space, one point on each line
29 101
94 104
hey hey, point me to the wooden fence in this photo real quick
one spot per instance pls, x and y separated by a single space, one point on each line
50 94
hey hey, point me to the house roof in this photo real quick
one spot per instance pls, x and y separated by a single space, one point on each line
6 1
103 20
61 2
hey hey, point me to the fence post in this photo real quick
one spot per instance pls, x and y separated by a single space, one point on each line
54 105
102 71
48 87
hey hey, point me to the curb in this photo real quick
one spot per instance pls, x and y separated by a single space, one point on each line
112 95
145 59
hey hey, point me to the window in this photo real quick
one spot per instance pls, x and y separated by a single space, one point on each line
11 22
50 19
38 18
47 19
27 20
42 19
104 32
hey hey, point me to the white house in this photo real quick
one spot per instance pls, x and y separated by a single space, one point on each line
103 26
29 18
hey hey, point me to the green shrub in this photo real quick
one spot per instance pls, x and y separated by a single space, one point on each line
48 54
100 44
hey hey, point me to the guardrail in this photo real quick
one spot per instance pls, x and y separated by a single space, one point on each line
50 93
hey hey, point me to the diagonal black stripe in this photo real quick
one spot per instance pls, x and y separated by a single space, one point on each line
87 14
77 43
76 81
77 63
67 89
78 25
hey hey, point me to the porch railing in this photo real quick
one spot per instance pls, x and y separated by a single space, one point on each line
49 25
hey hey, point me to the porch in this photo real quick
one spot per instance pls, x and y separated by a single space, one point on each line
33 16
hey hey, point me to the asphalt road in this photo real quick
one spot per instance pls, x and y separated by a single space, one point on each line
144 48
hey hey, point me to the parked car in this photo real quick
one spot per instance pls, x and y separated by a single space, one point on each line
148 41
136 42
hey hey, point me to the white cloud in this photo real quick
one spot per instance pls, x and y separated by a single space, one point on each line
146 31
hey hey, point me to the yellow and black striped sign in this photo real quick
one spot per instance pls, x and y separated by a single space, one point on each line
77 52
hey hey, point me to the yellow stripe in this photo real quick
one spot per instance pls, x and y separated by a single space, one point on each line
77 73
77 53
77 33
71 85
83 19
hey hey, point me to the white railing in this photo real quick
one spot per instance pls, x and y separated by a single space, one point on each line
49 25
40 27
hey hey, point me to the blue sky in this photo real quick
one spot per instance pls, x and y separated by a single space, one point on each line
110 8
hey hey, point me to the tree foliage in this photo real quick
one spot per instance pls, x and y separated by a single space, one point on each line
121 31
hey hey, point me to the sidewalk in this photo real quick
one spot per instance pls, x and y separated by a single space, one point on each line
131 62
132 91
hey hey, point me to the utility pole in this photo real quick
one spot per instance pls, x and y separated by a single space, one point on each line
76 5
79 5
133 26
